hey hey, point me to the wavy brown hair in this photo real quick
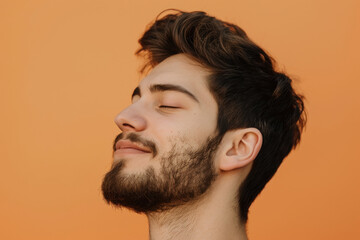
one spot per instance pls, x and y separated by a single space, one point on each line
248 89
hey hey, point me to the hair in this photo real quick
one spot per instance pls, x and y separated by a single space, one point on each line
243 80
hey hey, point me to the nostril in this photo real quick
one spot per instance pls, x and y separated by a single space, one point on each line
127 125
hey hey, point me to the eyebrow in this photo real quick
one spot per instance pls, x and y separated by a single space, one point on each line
165 87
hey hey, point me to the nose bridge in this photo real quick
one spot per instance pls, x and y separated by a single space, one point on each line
131 118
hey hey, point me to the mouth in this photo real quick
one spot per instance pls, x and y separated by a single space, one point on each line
128 147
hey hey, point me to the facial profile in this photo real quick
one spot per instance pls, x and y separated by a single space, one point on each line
172 169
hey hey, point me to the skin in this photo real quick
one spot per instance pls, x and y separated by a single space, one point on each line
164 115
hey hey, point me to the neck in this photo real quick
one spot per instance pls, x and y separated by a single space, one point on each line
213 217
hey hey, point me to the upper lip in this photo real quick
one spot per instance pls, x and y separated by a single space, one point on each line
121 144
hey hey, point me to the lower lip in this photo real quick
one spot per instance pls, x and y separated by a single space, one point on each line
129 151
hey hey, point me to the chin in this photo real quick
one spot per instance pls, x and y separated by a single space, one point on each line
134 166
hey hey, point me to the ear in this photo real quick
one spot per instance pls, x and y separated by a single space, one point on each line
241 146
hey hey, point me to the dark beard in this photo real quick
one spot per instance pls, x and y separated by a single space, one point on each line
185 176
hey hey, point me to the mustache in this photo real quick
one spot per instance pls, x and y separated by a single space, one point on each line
135 138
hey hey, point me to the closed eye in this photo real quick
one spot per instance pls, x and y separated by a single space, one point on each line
165 106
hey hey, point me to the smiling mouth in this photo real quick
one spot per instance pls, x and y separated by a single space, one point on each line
131 150
128 152
128 147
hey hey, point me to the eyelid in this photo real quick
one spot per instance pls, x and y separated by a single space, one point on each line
167 106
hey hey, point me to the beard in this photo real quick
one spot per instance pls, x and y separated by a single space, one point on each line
185 175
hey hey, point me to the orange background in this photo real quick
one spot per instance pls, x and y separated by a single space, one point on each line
67 68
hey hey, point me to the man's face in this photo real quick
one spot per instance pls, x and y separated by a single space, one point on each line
165 154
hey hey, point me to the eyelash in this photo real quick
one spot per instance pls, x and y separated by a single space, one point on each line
165 106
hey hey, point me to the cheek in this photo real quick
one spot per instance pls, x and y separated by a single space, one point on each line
201 132
195 129
203 125
192 128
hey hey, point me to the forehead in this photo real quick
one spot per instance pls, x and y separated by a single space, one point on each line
180 70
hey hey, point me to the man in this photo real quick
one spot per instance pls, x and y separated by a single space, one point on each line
207 129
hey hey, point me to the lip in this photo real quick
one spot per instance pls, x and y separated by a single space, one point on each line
127 146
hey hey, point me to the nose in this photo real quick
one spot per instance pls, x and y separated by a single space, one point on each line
130 120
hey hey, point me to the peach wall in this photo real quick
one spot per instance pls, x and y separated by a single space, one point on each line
67 68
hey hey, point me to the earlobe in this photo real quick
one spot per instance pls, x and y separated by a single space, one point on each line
243 147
